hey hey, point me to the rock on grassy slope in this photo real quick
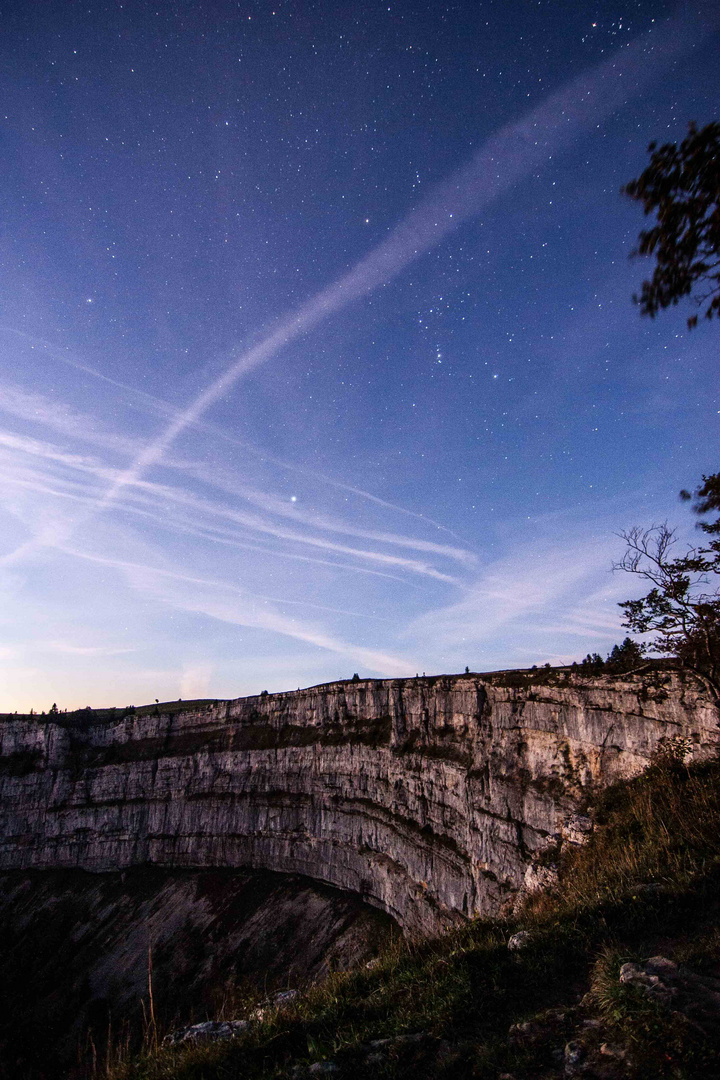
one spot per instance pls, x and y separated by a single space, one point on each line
616 974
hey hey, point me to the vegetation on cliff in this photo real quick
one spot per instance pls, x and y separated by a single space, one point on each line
645 885
682 608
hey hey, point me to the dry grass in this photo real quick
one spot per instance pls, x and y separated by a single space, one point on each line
661 830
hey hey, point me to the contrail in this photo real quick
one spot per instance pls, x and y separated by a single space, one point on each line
156 405
511 154
508 156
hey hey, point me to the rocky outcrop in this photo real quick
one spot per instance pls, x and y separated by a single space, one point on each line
427 797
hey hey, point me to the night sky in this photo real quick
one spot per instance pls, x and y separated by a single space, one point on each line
318 348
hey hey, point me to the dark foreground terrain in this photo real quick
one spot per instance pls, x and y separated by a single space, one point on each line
79 953
617 974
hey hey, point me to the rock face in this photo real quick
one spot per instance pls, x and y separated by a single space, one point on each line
427 797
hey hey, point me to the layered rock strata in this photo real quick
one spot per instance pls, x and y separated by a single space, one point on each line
428 797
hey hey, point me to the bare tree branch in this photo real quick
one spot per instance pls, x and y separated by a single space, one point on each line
679 609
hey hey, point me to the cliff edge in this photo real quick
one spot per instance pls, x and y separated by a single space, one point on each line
428 797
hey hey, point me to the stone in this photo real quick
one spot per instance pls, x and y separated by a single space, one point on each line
648 888
276 1001
661 967
612 1051
577 829
553 1016
538 877
526 1031
398 1040
284 997
211 1030
520 940
644 977
574 1058
697 997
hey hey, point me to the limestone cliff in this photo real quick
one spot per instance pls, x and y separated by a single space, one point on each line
428 797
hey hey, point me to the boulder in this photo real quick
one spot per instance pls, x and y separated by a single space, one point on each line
210 1030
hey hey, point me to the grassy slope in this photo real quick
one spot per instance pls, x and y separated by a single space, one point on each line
466 989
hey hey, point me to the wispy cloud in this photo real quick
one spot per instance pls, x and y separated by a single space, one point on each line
218 600
68 649
547 588
53 414
282 507
73 476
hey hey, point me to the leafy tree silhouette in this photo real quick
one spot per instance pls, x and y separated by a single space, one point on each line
682 186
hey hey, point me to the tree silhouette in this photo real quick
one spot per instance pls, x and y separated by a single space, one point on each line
626 656
682 186
682 608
